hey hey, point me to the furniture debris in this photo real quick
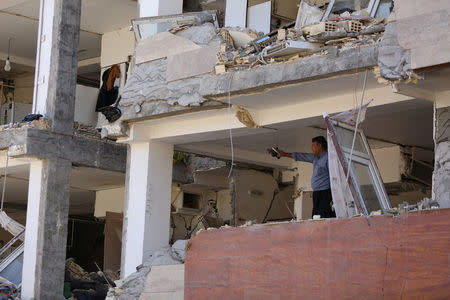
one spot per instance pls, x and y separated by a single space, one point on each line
83 284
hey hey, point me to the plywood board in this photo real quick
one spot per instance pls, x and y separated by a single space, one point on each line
162 45
113 241
381 257
259 17
236 13
191 63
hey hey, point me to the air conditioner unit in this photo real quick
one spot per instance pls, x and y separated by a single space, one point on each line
289 48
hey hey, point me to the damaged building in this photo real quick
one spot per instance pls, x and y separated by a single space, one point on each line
140 148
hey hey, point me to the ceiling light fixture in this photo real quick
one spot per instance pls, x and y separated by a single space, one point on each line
8 62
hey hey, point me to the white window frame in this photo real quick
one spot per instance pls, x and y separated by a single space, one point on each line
365 159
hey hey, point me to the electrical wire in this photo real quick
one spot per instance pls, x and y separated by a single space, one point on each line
355 97
229 125
357 123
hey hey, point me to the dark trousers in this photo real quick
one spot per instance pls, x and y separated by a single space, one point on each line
322 202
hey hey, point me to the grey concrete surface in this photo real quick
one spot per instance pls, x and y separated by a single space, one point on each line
52 228
60 105
147 94
80 151
441 174
393 59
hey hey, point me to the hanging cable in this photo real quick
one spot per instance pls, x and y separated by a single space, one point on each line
357 123
229 125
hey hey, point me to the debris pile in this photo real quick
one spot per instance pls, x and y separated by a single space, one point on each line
309 35
86 285
133 286
36 123
86 131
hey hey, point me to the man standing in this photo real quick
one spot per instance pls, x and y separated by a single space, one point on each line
320 180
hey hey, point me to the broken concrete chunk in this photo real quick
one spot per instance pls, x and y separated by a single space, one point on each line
201 35
241 38
191 63
220 69
162 45
350 26
320 27
308 14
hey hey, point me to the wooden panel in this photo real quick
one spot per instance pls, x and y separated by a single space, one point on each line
380 257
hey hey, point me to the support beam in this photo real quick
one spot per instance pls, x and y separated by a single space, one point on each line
147 202
46 233
214 124
56 62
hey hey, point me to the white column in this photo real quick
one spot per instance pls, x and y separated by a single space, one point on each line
147 202
236 13
46 229
31 236
44 46
152 8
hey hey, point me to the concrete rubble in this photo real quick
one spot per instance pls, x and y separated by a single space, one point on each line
152 90
132 286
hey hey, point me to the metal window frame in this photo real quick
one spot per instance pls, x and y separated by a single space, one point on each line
179 18
371 8
362 158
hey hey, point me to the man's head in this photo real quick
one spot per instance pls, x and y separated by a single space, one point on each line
319 145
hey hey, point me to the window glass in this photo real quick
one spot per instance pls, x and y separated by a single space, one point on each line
345 138
384 9
341 6
366 186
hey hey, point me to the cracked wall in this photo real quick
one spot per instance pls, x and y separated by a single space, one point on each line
441 174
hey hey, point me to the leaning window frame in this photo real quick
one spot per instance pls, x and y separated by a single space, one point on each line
365 159
371 9
180 19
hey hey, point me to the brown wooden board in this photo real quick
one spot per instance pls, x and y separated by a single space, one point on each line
113 241
381 257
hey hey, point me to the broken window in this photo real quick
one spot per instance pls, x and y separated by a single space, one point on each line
146 27
373 8
363 184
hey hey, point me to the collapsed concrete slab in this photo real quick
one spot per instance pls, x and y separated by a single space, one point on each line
133 286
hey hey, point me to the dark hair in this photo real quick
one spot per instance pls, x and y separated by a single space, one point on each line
322 141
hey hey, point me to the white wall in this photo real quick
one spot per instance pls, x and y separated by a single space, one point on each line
23 91
86 99
422 26
116 47
109 200
389 163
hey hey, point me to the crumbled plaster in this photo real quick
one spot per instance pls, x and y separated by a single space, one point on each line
198 164
441 174
148 80
203 35
394 61
132 287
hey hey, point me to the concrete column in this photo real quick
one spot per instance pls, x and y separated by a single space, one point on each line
56 62
153 8
441 174
46 229
147 202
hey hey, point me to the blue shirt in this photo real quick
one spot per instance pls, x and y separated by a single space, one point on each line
320 179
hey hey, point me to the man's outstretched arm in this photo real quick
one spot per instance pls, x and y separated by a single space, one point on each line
298 156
